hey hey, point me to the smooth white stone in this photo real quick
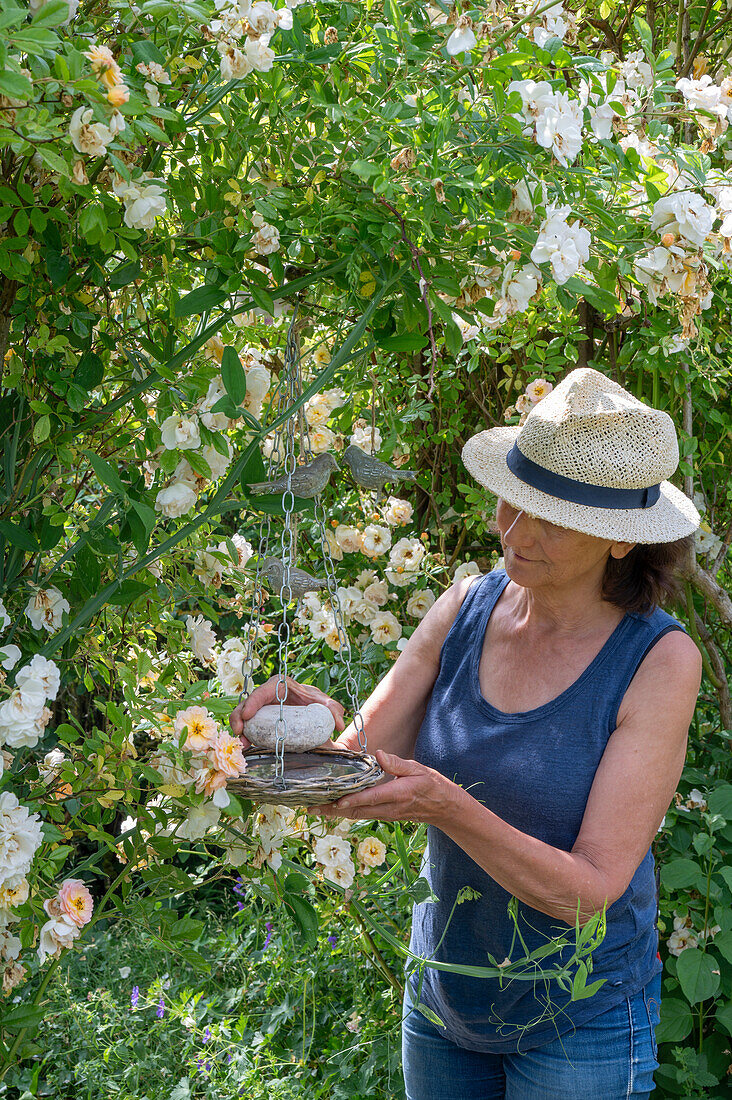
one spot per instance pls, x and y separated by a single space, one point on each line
307 727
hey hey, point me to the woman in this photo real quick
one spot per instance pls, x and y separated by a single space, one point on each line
537 721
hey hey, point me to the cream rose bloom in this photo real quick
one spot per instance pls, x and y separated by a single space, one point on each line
407 554
385 628
201 725
398 512
45 609
322 439
175 500
375 540
419 603
180 433
89 137
348 538
401 577
371 852
376 593
467 569
56 935
20 838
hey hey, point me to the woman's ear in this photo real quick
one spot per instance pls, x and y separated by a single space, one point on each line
620 549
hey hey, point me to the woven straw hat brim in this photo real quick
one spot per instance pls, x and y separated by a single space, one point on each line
672 517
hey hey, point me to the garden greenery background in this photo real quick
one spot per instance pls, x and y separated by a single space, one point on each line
465 202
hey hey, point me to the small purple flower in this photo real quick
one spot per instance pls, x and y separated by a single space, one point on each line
332 939
134 996
207 1035
229 1057
208 1066
240 905
268 926
161 1008
239 887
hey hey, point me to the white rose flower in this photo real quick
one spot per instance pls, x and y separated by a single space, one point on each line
321 624
45 609
175 500
559 127
462 39
266 237
40 669
234 64
89 137
143 201
401 578
180 432
50 767
376 593
219 463
407 554
566 246
419 603
259 381
365 439
363 612
322 439
4 617
331 847
375 540
680 939
9 656
342 872
261 58
349 599
467 569
20 838
56 935
348 538
684 214
385 628
203 638
398 512
198 821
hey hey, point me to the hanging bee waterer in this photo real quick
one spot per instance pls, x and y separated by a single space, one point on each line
293 760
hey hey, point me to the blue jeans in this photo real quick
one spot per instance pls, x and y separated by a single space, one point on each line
611 1057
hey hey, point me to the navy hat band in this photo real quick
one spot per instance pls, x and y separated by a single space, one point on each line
580 492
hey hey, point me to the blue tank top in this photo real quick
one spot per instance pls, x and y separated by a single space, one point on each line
533 769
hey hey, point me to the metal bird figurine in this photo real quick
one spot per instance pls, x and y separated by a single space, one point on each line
307 480
370 472
300 581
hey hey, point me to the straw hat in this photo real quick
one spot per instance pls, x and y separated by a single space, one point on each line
590 457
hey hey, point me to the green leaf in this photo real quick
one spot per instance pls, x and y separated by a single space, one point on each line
199 300
129 591
679 874
41 429
125 274
233 376
24 1016
15 85
106 473
723 1017
18 536
676 1020
695 971
723 943
271 504
720 801
187 928
305 916
51 14
403 341
89 371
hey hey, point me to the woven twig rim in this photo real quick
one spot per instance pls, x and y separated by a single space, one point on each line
307 792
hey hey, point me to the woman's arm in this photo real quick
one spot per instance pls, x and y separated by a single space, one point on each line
393 712
633 786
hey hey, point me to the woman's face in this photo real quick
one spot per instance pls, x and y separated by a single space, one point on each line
537 552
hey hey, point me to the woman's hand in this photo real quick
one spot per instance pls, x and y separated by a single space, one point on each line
416 794
298 695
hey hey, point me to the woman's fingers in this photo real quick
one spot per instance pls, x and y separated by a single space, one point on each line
297 695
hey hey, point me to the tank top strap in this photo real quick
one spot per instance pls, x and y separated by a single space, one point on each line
481 595
641 634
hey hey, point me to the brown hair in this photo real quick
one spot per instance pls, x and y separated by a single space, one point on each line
648 576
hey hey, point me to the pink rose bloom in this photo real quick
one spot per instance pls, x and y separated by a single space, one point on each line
225 753
209 780
75 901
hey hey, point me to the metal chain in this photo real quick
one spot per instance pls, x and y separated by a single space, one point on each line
265 530
344 651
288 547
